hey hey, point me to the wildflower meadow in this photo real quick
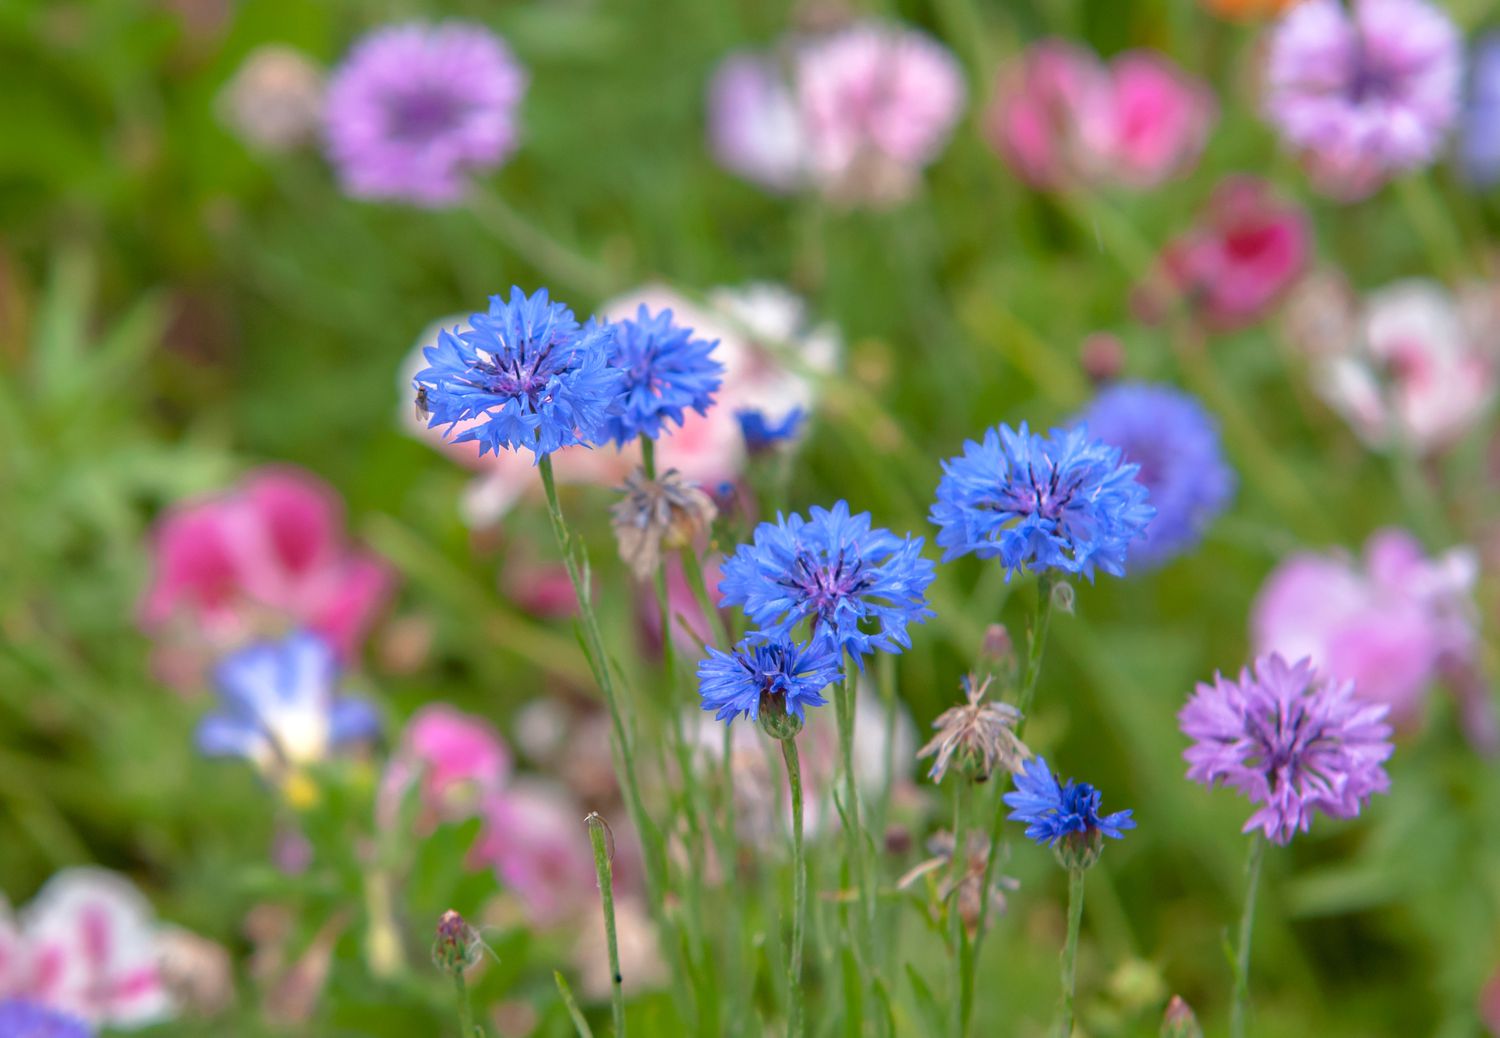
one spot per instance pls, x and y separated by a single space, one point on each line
730 518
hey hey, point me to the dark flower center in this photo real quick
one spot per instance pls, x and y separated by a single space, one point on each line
825 584
519 373
422 115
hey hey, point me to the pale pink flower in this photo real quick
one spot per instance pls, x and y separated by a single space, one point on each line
265 557
1393 622
457 758
88 945
1420 369
534 838
1039 107
274 101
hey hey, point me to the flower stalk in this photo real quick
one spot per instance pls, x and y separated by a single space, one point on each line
1239 1007
602 843
1070 949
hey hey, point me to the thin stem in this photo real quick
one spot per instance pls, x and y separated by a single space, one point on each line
1036 643
1070 950
844 702
604 869
1241 1004
466 1028
963 949
794 1023
538 247
594 649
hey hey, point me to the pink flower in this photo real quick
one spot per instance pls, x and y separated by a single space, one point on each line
1062 118
1419 367
879 103
1152 123
266 556
458 758
855 114
534 838
87 945
1246 252
1392 623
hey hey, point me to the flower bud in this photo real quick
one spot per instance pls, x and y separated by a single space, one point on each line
1179 1021
1079 850
774 719
1063 597
456 946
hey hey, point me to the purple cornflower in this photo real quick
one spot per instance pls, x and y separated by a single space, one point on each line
1479 149
1175 443
762 434
1054 811
666 372
416 108
20 1018
859 586
1291 740
1066 501
1363 92
780 674
281 706
525 376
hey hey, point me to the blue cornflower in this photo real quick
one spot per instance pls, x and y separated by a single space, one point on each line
281 706
793 675
1064 501
761 433
859 586
1175 442
22 1018
665 372
1479 144
1052 811
525 376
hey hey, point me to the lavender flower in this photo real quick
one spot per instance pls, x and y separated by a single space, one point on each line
414 109
1364 93
666 372
1055 811
1291 740
525 376
780 675
1175 443
754 127
1479 149
1063 502
859 586
281 706
20 1018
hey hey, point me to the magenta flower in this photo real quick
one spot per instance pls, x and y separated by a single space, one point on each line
1392 623
457 758
1062 118
86 945
1236 264
1363 91
415 109
1289 739
267 556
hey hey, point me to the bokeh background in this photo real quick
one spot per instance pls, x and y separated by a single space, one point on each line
179 306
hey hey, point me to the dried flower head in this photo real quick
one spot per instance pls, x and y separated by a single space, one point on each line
658 513
978 735
967 882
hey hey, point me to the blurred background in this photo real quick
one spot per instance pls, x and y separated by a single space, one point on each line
190 293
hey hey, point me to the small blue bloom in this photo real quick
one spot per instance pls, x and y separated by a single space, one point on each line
665 373
859 586
525 376
1479 145
761 433
281 705
1175 443
1052 811
22 1018
733 683
1064 501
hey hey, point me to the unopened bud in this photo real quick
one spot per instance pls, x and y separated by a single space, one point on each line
456 946
1102 356
1179 1021
1062 597
997 648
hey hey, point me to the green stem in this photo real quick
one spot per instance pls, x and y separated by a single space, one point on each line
794 1023
654 866
604 868
1036 642
1070 950
1240 1006
466 1028
963 948
844 703
537 247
